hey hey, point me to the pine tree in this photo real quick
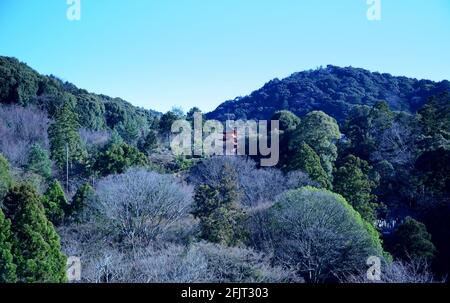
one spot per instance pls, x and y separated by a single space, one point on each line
54 202
7 267
354 183
79 200
36 245
149 143
5 177
39 161
64 133
221 218
117 158
320 132
412 241
306 159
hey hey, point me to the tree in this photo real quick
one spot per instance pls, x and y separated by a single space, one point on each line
5 177
256 186
54 202
20 128
91 112
353 181
320 132
190 114
79 202
39 161
365 126
434 116
306 159
139 206
35 245
434 167
117 158
166 121
64 133
288 120
319 235
149 143
7 266
220 216
413 242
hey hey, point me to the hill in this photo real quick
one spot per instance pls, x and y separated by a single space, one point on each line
334 90
21 85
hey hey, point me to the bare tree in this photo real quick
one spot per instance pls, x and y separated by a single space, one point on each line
257 186
201 262
94 138
20 128
141 205
397 145
416 271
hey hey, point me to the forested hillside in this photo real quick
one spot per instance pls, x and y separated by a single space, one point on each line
21 85
363 173
333 90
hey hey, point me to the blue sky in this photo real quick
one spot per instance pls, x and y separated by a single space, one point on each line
163 53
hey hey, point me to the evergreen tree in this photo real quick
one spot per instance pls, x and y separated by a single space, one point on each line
117 158
54 202
320 132
221 218
412 241
7 267
64 131
5 177
36 245
288 120
149 143
352 180
365 126
79 201
166 121
306 160
39 161
435 116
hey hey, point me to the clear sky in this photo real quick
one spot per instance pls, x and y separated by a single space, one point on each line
163 53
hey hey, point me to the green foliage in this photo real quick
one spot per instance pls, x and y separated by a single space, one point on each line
306 160
320 132
412 241
117 158
320 235
191 112
352 180
149 143
221 218
39 161
18 83
365 126
91 111
166 121
435 116
333 90
434 168
7 266
64 131
288 120
36 245
79 202
126 119
5 177
54 202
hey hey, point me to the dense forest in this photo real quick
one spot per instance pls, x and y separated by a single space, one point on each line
363 173
333 90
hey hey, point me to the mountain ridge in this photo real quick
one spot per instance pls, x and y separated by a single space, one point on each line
334 90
